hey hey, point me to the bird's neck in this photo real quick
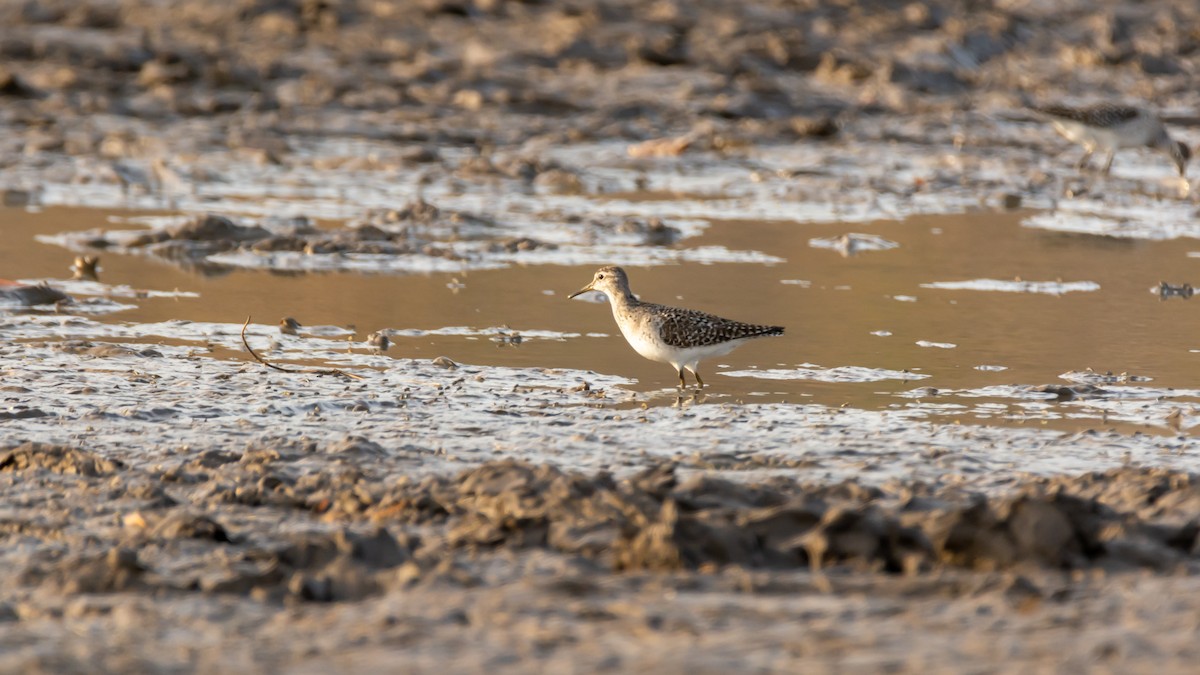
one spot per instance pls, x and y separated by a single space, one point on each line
622 300
1163 141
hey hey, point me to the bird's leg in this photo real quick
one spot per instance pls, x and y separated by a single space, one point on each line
1082 163
1108 161
682 382
699 382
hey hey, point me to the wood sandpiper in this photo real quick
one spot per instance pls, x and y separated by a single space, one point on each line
1109 127
680 337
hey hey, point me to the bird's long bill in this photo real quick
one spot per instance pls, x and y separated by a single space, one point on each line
581 291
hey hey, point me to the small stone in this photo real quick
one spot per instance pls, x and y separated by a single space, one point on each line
815 127
13 85
468 99
15 198
378 342
134 521
559 182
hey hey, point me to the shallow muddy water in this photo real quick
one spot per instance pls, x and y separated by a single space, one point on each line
959 316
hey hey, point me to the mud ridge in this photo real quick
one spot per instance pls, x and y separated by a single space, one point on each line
254 524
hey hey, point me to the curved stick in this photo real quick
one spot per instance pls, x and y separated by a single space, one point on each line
310 371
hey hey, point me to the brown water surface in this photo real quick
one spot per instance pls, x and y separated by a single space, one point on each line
830 318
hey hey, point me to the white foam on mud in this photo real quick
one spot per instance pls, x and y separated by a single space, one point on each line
78 240
313 342
467 415
1025 391
1090 376
472 257
936 345
1125 217
464 331
853 243
92 306
1154 407
461 256
1016 286
357 262
859 180
96 288
48 327
819 374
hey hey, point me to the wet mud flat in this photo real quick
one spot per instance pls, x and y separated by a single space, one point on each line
169 509
190 513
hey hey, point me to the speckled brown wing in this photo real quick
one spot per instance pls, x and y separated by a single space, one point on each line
1101 115
690 328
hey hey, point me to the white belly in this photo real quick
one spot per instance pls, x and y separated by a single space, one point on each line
1091 138
1133 133
645 341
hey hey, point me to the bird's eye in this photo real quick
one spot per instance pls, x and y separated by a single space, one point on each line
599 276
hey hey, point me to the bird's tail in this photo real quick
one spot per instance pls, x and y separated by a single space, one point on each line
1052 110
767 331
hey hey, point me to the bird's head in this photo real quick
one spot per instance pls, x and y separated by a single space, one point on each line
1182 154
610 281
